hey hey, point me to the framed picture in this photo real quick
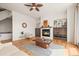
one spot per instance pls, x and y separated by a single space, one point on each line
55 22
58 23
24 25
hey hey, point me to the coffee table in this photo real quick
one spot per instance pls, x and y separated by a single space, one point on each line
44 43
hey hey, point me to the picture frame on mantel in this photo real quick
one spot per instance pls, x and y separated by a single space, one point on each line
59 22
45 23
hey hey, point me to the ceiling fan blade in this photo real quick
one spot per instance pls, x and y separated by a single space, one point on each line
2 9
37 9
31 9
39 5
27 5
33 4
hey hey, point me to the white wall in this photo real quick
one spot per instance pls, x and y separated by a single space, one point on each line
18 19
77 25
6 25
5 36
4 14
70 23
52 17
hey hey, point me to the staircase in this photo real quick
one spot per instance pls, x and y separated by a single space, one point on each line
4 14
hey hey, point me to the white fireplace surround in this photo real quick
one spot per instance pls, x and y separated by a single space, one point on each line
51 33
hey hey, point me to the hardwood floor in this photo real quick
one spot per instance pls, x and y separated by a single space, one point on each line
6 41
70 49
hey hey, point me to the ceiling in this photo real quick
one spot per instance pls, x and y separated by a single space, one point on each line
48 8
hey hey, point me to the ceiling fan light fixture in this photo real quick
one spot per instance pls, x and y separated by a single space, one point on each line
33 7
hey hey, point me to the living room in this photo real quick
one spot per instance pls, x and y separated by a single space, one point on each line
51 28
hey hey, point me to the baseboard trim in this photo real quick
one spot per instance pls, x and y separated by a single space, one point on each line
6 41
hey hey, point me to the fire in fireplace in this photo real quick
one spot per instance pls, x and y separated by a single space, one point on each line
46 32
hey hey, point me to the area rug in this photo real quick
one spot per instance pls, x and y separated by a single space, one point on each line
52 50
8 49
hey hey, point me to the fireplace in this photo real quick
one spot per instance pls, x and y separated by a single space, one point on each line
47 33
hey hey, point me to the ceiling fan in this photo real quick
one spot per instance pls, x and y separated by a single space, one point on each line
34 6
